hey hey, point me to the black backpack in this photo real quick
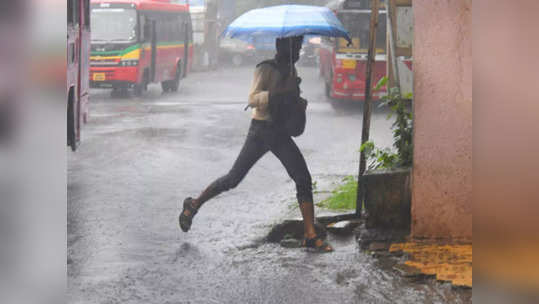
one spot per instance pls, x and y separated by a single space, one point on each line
286 110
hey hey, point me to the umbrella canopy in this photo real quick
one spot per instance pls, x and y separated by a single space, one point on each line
286 21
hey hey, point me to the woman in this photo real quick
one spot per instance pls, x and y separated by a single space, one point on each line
268 88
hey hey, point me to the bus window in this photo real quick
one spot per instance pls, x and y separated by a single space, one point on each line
114 24
381 34
86 13
172 28
190 27
168 29
69 11
358 25
73 14
182 22
76 11
178 29
142 30
160 29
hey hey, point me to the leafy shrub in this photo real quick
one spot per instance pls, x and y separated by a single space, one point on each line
402 130
344 196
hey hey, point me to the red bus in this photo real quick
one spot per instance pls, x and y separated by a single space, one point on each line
135 43
78 68
343 67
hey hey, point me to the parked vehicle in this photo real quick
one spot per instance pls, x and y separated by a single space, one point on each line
264 47
253 50
310 51
236 51
77 69
135 43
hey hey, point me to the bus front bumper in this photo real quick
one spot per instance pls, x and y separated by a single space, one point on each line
109 77
354 94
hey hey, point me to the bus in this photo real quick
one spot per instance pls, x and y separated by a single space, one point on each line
77 68
343 67
135 43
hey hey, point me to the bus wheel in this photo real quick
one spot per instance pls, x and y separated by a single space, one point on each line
165 86
143 86
140 88
328 90
119 92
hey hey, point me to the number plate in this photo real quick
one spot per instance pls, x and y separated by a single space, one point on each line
99 77
349 64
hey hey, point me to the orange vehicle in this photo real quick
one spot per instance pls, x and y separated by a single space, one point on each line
135 43
77 71
343 67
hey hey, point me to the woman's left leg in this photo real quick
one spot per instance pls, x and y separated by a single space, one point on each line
253 149
290 156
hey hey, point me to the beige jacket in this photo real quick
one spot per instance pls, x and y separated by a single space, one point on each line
266 79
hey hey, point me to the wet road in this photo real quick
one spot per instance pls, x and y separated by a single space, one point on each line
141 156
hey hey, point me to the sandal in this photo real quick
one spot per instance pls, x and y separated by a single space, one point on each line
187 220
317 244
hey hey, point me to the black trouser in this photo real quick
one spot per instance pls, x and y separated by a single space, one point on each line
263 137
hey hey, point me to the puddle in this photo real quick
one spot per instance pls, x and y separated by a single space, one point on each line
291 229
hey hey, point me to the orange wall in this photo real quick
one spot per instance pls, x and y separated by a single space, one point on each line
442 172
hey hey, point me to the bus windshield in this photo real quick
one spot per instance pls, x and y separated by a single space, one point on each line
357 24
114 25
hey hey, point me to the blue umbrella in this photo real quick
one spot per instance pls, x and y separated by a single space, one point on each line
286 21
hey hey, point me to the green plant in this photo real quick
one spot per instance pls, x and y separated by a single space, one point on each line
343 197
380 158
402 132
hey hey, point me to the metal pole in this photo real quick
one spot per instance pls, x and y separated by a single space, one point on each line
186 49
367 107
393 55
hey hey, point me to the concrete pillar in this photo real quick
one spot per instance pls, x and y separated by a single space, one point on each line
442 171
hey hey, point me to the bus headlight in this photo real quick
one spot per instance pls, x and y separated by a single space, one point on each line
129 63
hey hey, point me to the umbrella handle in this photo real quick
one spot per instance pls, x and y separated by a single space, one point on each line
291 61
